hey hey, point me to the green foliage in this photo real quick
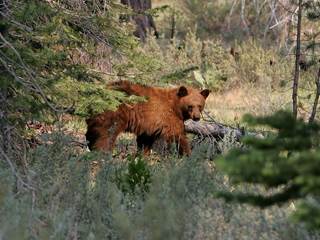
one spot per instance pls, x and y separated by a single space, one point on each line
46 46
288 159
254 65
310 45
53 57
137 177
179 63
313 10
206 64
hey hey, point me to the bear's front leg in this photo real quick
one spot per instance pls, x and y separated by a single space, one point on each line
175 134
183 145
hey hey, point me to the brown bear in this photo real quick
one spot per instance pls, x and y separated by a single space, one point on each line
161 116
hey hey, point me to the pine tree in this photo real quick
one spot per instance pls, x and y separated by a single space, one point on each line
307 50
287 160
40 68
143 20
42 72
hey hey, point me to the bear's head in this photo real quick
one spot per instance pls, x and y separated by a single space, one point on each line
191 102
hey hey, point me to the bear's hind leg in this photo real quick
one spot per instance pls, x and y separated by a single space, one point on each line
103 131
181 142
144 143
96 134
117 127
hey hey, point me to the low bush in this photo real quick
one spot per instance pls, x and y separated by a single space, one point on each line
70 198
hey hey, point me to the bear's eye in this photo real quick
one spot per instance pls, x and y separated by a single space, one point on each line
190 108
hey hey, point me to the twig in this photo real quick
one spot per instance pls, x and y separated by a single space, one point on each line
13 170
293 12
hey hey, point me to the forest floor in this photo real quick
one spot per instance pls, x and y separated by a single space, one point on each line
230 106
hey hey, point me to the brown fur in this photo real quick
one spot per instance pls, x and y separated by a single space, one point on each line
161 116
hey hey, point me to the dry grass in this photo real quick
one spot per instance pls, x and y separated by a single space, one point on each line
230 106
157 3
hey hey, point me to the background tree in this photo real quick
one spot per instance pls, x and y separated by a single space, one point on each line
286 162
43 75
143 20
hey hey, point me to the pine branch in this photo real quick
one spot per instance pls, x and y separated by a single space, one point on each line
290 193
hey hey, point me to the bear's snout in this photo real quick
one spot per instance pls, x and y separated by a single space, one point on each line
196 119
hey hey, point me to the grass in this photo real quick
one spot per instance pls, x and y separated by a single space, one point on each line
231 105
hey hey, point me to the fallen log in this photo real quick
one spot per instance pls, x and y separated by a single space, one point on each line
218 131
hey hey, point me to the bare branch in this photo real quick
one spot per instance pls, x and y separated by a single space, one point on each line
14 171
215 130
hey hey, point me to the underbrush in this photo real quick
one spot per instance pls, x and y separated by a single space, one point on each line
76 194
205 63
61 191
56 189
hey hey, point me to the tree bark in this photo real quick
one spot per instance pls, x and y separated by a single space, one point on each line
297 67
173 25
316 99
216 130
144 22
4 126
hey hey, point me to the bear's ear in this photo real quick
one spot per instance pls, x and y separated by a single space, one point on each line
182 92
205 93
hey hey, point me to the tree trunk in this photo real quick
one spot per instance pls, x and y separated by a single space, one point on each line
297 67
3 90
173 25
316 99
144 22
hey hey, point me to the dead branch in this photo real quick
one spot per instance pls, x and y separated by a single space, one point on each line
210 129
14 171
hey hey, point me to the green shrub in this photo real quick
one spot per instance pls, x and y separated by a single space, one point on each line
208 64
257 65
137 177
